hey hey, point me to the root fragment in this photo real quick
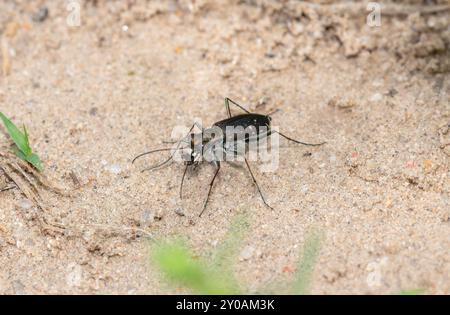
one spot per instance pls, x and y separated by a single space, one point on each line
26 179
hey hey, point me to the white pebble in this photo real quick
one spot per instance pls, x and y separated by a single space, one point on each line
377 97
304 189
73 278
25 204
114 169
247 253
147 218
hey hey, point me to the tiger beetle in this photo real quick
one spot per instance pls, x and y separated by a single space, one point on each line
210 144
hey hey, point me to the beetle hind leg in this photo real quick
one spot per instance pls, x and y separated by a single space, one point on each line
256 184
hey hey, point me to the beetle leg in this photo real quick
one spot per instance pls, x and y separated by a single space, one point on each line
217 164
256 183
293 140
227 106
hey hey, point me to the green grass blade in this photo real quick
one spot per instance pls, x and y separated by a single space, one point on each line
20 139
23 149
34 160
27 140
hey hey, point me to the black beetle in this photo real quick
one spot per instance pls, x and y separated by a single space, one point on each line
216 138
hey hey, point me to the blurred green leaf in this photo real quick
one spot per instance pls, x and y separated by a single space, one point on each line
417 291
307 262
227 250
176 262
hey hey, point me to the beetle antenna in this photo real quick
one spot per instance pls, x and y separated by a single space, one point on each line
296 141
162 149
158 165
150 152
273 112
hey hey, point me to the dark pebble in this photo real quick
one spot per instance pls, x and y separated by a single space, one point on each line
93 111
41 15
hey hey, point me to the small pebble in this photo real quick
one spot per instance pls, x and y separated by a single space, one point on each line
378 83
392 92
147 218
41 15
158 215
377 97
296 28
93 111
114 169
304 189
18 287
180 212
25 204
73 278
246 253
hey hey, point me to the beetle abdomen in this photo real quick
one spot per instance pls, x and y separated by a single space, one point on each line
244 120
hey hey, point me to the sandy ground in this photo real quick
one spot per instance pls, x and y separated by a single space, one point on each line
95 95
